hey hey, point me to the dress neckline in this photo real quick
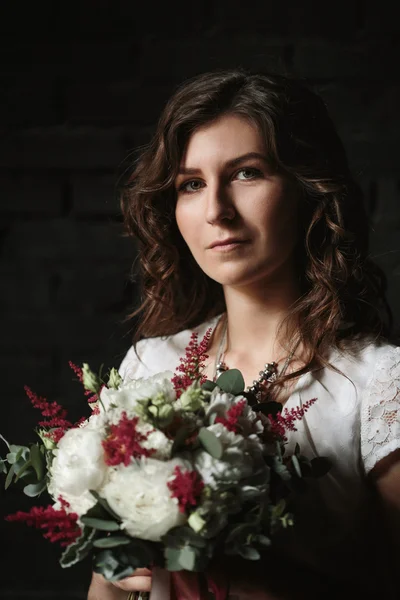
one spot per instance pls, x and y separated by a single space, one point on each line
213 322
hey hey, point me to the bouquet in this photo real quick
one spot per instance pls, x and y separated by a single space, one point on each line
167 471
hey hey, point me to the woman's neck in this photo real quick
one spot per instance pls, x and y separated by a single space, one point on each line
254 318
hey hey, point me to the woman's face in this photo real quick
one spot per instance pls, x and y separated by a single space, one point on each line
238 217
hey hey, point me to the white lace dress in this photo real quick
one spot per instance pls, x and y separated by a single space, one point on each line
355 422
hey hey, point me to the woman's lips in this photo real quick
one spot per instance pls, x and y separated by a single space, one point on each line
228 245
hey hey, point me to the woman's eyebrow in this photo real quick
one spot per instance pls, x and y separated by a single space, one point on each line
230 163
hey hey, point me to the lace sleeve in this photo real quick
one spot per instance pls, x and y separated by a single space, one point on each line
380 410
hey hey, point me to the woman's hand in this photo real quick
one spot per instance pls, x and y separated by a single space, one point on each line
101 589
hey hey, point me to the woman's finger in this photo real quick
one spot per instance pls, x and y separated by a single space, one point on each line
136 583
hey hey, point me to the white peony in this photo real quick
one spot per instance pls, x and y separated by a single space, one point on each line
139 494
77 467
130 391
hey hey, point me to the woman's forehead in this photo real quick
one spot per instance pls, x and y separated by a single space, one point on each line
222 140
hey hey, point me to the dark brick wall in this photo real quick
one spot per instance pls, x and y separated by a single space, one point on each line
81 85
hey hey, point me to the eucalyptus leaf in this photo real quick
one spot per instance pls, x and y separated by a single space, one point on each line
102 524
249 553
36 458
296 464
112 541
208 385
172 557
279 508
112 564
263 540
231 381
79 549
9 477
188 558
210 443
34 489
20 472
282 470
3 468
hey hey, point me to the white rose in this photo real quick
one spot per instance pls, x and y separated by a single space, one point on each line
77 467
130 391
139 494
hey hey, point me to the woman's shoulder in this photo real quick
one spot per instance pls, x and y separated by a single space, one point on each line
363 359
160 353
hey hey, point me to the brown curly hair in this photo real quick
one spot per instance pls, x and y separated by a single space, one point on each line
342 290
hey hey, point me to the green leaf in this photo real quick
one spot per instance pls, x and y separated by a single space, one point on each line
9 476
172 557
282 470
231 381
36 458
263 540
320 466
104 504
208 385
112 541
3 468
79 549
101 524
188 558
34 489
22 470
296 464
279 508
249 553
210 443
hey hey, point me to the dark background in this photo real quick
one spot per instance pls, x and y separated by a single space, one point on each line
81 86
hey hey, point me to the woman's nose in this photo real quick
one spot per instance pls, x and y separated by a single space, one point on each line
220 205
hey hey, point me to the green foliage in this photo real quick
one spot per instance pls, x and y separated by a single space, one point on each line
210 443
208 385
98 517
79 549
186 550
112 541
28 463
121 561
231 381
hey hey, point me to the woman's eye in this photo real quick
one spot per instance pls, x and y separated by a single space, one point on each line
248 173
191 186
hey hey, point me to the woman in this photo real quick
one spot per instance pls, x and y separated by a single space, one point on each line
249 222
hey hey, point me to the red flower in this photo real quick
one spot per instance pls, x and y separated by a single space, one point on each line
193 363
284 422
61 526
232 416
186 487
123 442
